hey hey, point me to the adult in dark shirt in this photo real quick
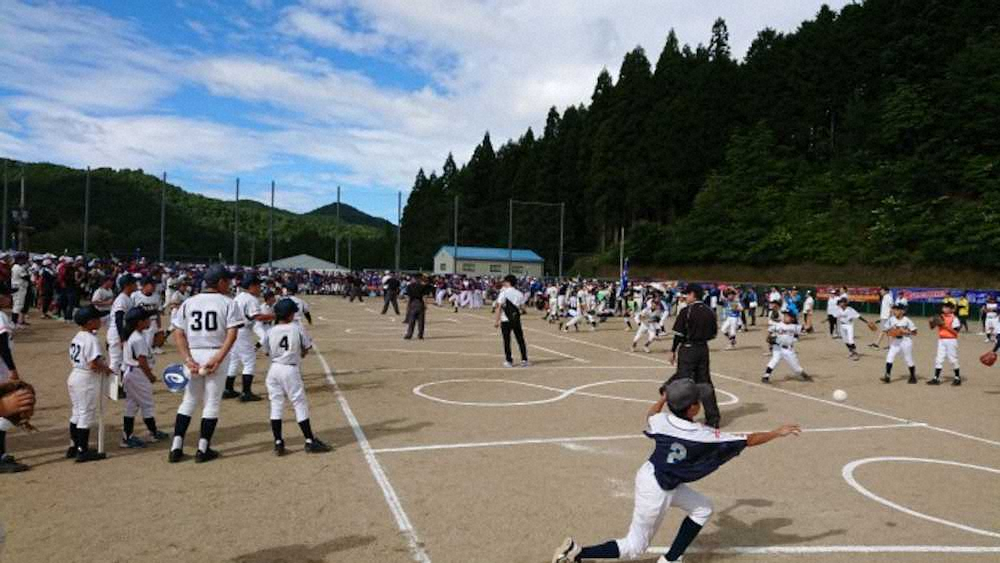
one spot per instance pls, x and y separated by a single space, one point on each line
695 326
390 292
416 310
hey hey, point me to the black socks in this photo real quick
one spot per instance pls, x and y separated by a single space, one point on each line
72 434
128 426
82 439
888 368
207 429
607 550
181 424
689 530
150 424
230 383
247 383
306 430
276 429
3 442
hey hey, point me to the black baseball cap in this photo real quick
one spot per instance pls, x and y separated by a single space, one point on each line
248 280
284 308
136 314
695 289
681 394
126 279
215 273
84 315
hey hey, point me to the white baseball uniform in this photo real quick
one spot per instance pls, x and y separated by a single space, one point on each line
121 304
992 318
244 354
947 345
152 304
845 321
20 281
900 344
83 383
205 319
785 336
285 343
138 388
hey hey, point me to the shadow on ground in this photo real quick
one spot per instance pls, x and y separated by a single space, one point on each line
300 553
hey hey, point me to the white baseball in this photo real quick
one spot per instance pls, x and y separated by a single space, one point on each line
840 395
203 371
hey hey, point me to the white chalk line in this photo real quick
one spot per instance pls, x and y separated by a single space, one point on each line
391 498
848 474
560 393
568 356
826 549
438 352
535 368
611 438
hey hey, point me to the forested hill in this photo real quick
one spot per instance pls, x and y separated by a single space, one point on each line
125 217
352 215
867 136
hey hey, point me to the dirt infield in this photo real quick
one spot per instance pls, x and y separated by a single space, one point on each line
443 455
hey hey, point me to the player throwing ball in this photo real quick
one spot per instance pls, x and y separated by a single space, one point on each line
287 343
685 452
900 330
783 336
206 330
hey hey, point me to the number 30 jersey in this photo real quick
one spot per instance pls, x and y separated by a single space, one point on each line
84 349
285 343
687 451
206 317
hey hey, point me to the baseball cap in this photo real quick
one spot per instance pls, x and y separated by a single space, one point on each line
136 314
681 394
84 315
292 287
125 279
215 273
285 307
695 289
249 280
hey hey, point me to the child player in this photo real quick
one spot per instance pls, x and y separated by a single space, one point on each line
137 363
287 343
846 315
783 337
84 383
900 330
685 451
947 325
649 321
733 309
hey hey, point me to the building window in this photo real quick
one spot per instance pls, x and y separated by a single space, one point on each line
468 267
496 269
443 267
517 269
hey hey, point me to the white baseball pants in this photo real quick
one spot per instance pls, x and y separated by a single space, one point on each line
138 393
20 295
205 389
787 354
651 504
5 425
730 326
84 392
900 345
649 329
115 351
946 348
847 334
243 354
285 382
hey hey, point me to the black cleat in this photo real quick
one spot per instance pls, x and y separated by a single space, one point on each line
765 379
886 379
956 382
8 465
934 381
175 456
317 447
806 376
249 398
89 455
279 448
230 394
207 455
71 452
911 380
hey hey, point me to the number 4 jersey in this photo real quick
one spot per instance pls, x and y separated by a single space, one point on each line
206 317
285 343
687 451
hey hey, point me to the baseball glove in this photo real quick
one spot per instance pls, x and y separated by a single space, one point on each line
772 339
989 358
872 326
935 321
22 419
895 332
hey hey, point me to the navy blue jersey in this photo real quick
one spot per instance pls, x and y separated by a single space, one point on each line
687 451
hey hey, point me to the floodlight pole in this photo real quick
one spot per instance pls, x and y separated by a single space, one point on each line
236 224
163 216
510 235
86 211
270 231
562 222
6 242
349 265
399 225
336 247
454 254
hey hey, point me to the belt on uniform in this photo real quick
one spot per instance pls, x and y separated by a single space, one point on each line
785 347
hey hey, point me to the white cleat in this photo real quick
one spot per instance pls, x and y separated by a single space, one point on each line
567 552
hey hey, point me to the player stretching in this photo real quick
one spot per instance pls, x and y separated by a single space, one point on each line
685 452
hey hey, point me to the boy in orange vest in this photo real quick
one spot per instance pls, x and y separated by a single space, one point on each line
947 325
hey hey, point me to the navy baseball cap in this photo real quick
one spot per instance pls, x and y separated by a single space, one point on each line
292 287
215 273
249 280
84 315
695 289
136 314
284 308
126 279
681 394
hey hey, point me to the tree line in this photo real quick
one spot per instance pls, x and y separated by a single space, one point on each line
866 136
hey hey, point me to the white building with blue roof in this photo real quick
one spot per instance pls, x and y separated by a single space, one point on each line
485 261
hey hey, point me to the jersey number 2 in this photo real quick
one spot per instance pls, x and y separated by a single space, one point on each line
677 453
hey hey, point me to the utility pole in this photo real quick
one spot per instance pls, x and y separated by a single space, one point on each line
336 247
621 255
349 265
562 222
6 242
270 231
399 225
454 254
236 225
163 217
510 234
22 223
86 211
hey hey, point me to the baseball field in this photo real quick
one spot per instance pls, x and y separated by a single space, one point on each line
443 455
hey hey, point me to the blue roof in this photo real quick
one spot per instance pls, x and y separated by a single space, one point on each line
493 254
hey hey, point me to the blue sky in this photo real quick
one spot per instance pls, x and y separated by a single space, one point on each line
318 93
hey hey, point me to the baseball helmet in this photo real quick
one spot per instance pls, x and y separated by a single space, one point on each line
176 377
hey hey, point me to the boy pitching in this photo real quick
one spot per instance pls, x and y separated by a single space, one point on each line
649 321
287 343
784 335
900 330
685 451
846 315
947 325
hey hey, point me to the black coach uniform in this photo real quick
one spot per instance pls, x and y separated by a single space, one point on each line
390 294
416 309
695 326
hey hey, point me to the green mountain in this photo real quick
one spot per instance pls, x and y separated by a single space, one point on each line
352 215
866 136
125 219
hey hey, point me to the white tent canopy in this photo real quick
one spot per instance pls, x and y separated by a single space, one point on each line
306 262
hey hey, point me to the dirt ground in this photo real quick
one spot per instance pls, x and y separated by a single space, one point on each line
443 455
